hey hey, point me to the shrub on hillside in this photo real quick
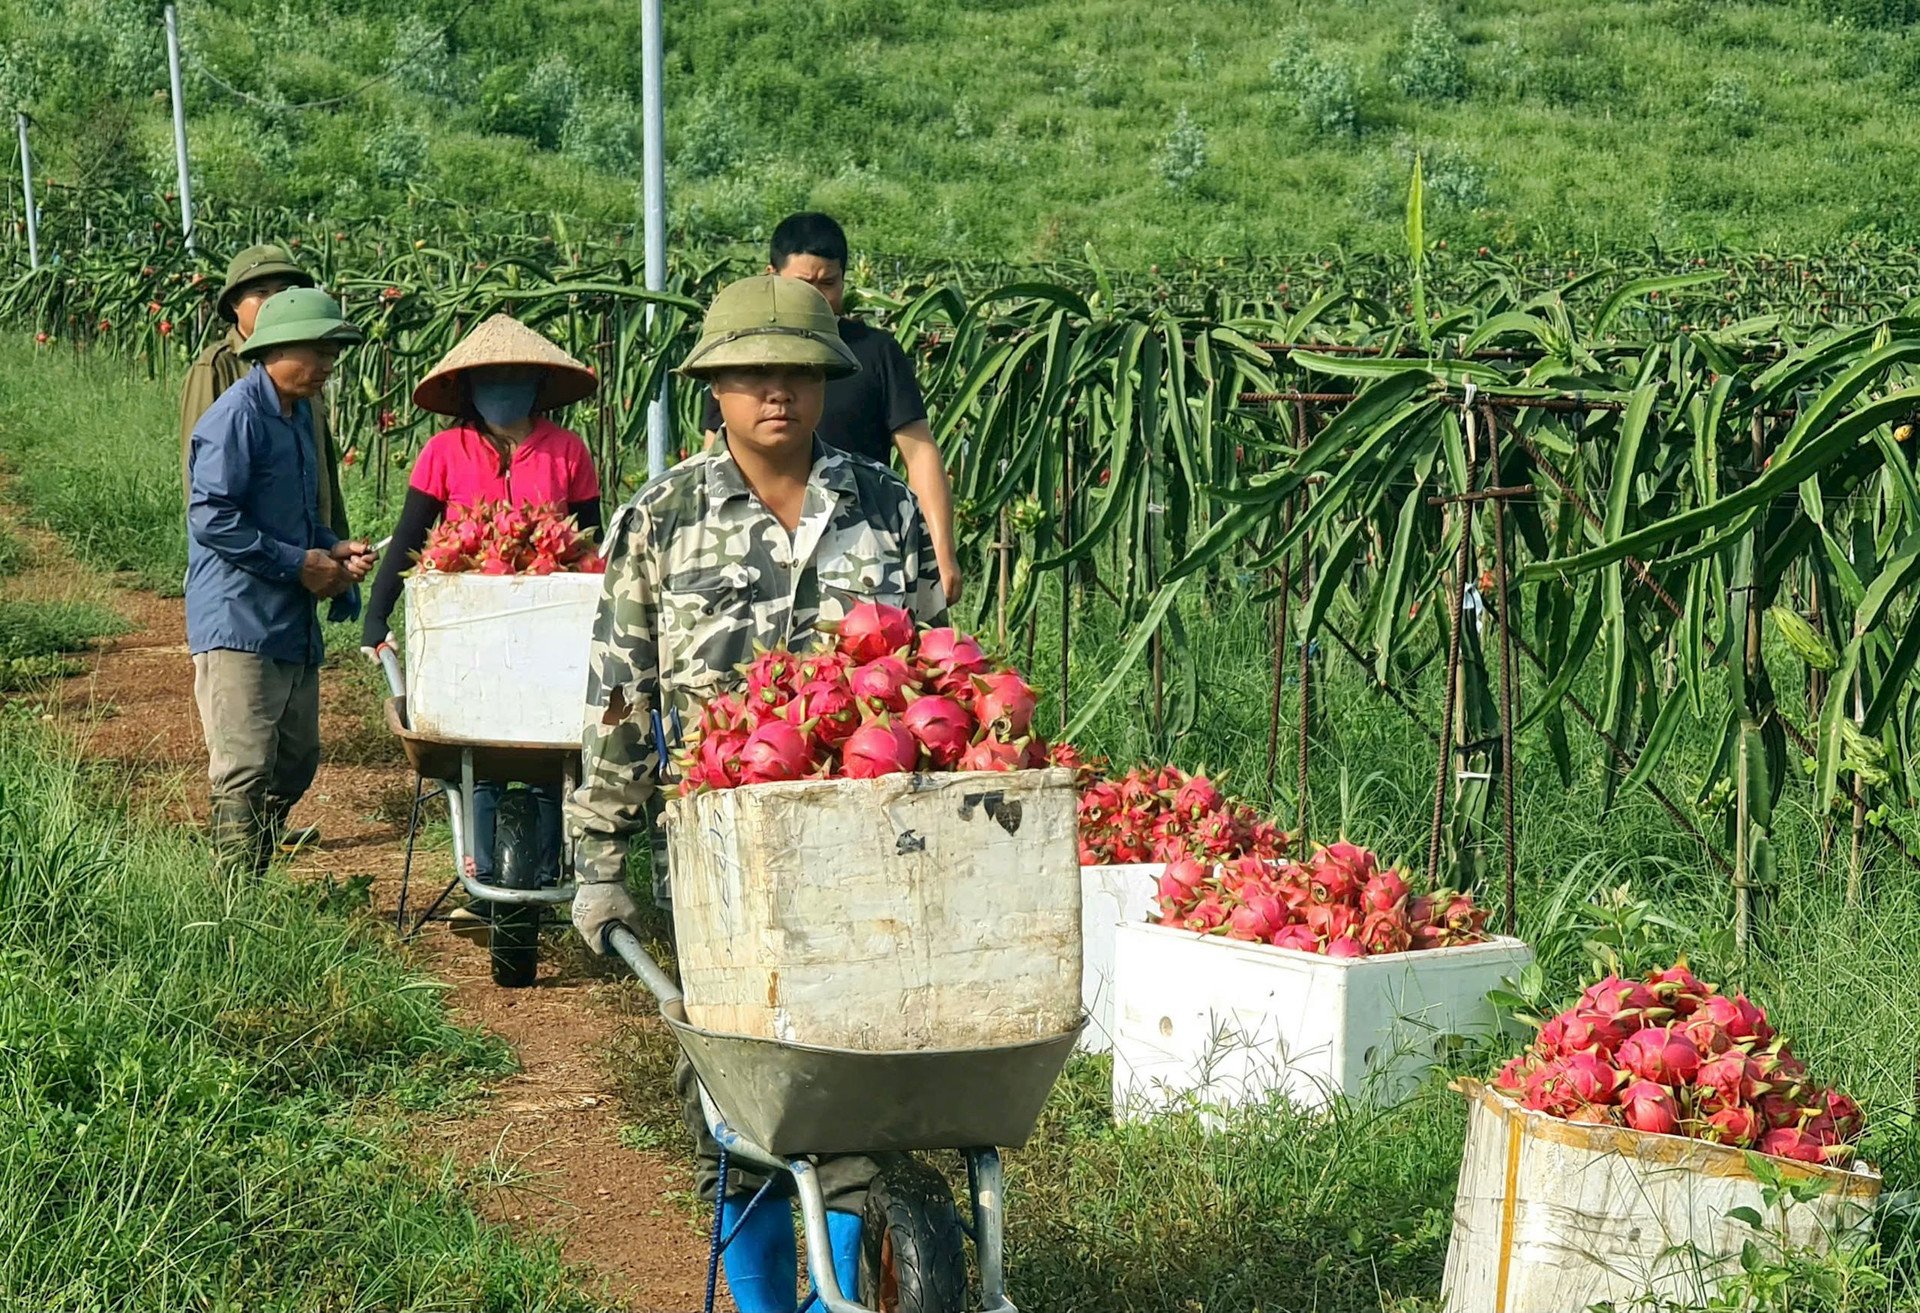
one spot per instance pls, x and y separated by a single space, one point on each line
1888 14
1432 66
531 103
1183 154
1730 105
1450 178
1322 88
603 133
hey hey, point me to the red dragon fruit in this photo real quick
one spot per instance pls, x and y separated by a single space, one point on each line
829 706
993 753
949 660
882 746
872 630
1345 946
1660 1053
1648 1106
774 752
881 684
943 727
1005 701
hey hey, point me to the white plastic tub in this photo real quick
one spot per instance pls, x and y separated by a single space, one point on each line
906 912
1219 1023
1552 1216
1110 897
500 658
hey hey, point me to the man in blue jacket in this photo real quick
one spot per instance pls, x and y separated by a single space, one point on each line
258 559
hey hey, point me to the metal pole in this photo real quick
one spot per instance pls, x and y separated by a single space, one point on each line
26 185
179 127
654 191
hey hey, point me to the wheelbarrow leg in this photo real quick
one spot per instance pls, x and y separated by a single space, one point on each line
813 1219
989 1218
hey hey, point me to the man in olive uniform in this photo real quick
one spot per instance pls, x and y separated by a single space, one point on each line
254 277
256 274
755 541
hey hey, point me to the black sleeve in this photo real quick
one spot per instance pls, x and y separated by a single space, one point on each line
586 514
904 404
710 414
418 514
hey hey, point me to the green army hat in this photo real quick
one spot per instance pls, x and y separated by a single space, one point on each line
769 320
267 260
299 314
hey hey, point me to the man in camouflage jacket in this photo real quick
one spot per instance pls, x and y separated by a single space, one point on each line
754 542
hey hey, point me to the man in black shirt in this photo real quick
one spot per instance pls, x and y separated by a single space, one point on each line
878 410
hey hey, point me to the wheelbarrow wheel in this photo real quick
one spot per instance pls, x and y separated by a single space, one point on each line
913 1256
515 941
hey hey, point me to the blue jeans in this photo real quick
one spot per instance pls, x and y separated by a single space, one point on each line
486 803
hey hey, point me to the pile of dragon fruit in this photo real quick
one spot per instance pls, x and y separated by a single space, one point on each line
880 699
501 538
1672 1055
1338 902
1165 814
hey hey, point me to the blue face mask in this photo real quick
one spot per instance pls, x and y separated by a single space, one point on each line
505 400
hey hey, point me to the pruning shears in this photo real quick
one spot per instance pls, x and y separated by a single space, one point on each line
662 746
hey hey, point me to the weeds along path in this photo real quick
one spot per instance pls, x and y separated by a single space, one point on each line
546 1141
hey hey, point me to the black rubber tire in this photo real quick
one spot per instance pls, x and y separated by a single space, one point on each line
514 944
913 1256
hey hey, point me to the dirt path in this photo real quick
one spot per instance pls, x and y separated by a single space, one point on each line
546 1139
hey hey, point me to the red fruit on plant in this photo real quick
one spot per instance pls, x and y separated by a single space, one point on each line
774 752
1736 1124
1660 1053
880 747
942 726
1385 892
993 753
872 630
1650 1107
1003 699
881 684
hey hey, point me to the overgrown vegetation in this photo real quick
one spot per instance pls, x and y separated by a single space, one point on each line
1013 130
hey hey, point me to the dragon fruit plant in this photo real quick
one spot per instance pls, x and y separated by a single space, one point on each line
1672 1055
881 699
499 538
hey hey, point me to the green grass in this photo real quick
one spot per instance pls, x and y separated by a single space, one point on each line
204 1092
36 638
1024 128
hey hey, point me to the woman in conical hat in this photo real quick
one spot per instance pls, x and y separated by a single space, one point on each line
496 383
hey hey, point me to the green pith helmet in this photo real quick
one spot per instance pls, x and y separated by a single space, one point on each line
769 320
267 260
299 314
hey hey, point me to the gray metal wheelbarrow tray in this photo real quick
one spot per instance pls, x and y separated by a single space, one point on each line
795 1099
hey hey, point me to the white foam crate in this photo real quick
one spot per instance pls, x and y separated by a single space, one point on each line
500 658
1220 1023
1110 897
1552 1216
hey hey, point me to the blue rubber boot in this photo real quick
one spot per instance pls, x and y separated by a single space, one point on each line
843 1237
763 1265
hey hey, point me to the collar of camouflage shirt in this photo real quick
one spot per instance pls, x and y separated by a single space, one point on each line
725 482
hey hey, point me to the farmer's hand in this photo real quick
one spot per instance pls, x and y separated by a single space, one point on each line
598 906
325 575
950 578
357 556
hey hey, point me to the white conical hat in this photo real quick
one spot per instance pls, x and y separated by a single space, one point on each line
504 340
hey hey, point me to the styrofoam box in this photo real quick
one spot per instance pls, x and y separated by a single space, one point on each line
1552 1216
500 658
1218 1023
909 912
1110 896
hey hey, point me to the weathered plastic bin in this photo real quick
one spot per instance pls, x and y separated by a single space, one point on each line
909 912
499 658
1110 897
1215 1022
1553 1216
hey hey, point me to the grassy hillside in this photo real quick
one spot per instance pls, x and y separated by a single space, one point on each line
1019 128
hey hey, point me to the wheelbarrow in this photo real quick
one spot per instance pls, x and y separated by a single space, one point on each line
774 1105
522 886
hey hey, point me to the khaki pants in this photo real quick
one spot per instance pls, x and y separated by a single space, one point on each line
261 719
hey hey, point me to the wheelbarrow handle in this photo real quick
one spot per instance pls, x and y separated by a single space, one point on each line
630 950
390 662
